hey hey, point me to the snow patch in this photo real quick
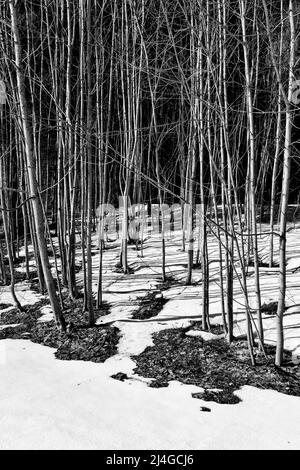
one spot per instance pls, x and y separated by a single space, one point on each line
47 314
77 405
3 327
205 335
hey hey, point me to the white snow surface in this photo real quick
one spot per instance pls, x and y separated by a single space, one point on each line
47 403
51 404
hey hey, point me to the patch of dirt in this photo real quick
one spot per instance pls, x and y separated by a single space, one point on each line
3 306
18 261
216 328
118 269
26 320
104 309
195 265
212 365
169 282
95 344
262 264
120 376
150 306
270 308
81 342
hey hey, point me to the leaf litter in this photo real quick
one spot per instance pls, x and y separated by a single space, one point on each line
213 365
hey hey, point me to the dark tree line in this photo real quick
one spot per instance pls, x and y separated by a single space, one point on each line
189 102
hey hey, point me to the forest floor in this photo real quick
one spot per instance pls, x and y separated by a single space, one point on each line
151 378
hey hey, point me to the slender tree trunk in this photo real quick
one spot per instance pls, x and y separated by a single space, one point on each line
31 169
285 193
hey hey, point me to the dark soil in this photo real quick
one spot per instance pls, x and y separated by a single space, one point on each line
216 328
18 261
212 365
269 309
3 306
81 342
150 306
120 376
168 283
104 309
204 408
195 265
95 344
26 320
118 269
262 264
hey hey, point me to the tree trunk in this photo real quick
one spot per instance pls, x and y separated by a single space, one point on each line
31 169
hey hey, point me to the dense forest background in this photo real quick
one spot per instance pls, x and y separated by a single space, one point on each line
157 101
